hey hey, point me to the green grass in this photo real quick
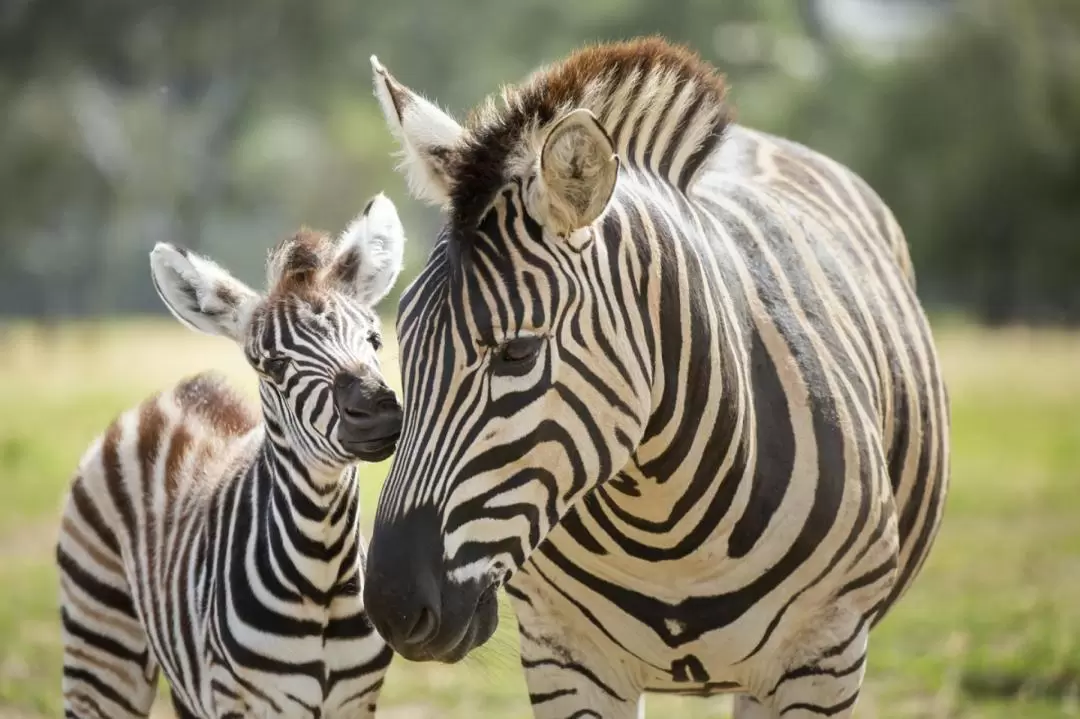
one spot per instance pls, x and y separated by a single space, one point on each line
990 629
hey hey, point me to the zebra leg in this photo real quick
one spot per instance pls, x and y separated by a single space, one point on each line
748 707
562 686
826 687
109 671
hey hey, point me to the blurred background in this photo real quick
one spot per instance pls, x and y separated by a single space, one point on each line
223 126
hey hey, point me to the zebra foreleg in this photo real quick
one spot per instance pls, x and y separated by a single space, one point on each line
748 707
562 686
827 687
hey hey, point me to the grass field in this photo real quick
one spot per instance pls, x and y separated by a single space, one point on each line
990 629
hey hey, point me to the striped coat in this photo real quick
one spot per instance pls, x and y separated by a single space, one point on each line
218 545
667 380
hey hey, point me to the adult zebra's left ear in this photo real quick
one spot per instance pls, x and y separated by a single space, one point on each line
370 253
200 294
579 169
428 136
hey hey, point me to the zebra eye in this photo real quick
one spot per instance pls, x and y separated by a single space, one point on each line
518 354
274 367
375 340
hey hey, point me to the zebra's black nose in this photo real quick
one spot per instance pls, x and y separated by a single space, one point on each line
402 586
370 415
413 601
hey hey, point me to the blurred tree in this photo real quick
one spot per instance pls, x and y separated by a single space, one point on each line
975 142
150 100
224 125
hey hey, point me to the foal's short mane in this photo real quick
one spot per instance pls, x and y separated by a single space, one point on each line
294 263
608 79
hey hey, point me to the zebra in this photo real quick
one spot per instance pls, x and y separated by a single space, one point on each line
223 549
666 378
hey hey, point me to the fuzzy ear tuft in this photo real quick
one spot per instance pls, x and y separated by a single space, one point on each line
428 137
200 294
370 253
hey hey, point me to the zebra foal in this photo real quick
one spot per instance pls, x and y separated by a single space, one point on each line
220 547
667 379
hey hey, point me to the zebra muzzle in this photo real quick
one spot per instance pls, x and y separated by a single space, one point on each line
370 416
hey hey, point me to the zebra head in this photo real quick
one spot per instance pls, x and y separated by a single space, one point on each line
313 337
527 373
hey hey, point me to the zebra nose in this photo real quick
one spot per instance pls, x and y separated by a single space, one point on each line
407 622
402 584
366 405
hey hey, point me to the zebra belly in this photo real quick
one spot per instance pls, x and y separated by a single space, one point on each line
652 634
626 657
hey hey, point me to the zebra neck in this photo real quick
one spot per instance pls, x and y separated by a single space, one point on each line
700 426
309 526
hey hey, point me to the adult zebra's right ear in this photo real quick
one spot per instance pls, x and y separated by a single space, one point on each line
428 136
200 294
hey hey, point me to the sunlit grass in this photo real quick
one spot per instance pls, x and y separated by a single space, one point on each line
990 629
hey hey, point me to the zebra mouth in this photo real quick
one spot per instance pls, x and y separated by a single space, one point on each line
372 450
456 640
482 625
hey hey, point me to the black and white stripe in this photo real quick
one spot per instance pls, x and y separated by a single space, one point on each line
222 548
669 377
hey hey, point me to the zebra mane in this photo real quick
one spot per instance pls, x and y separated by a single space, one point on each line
663 106
295 262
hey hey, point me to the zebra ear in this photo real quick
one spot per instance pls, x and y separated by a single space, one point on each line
370 253
579 169
201 294
428 136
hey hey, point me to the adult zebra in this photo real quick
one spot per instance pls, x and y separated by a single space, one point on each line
224 550
668 378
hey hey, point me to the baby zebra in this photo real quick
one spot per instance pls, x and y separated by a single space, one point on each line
225 550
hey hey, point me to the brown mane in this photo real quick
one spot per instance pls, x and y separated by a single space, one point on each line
294 263
592 77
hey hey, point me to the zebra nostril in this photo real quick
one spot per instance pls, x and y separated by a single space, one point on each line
424 629
387 405
355 414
